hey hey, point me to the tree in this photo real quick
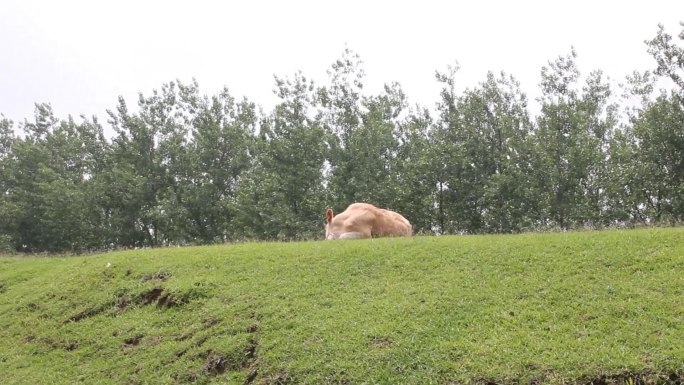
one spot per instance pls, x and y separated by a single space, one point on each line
221 153
571 138
371 152
657 137
341 116
8 209
146 165
284 193
509 196
414 195
50 189
668 56
483 141
659 134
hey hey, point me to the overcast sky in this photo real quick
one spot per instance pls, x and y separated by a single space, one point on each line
81 55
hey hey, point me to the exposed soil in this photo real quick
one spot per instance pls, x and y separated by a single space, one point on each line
181 353
151 296
133 341
250 351
215 364
614 379
636 379
71 347
122 303
83 314
158 296
251 364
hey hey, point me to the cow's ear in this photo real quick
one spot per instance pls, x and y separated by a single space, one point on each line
329 215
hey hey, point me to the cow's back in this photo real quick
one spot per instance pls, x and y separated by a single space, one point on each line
389 223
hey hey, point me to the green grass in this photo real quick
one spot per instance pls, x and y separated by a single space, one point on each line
606 307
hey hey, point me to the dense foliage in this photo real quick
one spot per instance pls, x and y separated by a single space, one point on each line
185 168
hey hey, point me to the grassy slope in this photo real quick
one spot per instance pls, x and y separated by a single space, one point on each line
547 308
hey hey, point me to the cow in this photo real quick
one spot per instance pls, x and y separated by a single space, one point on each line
363 220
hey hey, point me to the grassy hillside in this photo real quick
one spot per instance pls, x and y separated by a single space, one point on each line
536 308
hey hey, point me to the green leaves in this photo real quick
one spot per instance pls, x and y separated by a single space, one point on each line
573 130
284 196
482 147
668 56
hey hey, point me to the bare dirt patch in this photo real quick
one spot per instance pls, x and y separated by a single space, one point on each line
380 342
151 296
71 347
133 341
610 379
157 296
253 328
122 303
215 364
89 312
636 379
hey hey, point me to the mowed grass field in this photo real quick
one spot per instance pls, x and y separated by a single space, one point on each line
576 308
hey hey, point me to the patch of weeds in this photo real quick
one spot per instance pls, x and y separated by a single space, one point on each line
380 343
199 341
32 306
154 341
280 378
158 276
51 343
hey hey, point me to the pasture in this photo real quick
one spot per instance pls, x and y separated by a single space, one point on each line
555 308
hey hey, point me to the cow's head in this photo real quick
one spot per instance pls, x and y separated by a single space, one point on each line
328 224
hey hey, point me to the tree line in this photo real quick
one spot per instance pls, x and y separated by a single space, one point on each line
188 168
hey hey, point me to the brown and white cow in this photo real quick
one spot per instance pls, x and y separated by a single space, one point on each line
363 220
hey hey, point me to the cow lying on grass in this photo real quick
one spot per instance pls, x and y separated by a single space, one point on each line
362 220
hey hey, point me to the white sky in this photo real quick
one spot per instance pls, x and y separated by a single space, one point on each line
81 55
